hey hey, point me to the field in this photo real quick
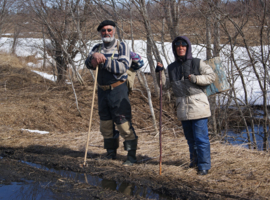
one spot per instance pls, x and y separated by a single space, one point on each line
28 101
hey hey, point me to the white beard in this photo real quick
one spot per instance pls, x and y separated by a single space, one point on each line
107 39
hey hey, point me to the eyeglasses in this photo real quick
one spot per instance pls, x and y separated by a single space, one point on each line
104 30
181 42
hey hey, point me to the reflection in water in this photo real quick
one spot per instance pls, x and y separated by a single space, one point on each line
131 189
241 138
108 184
126 188
123 187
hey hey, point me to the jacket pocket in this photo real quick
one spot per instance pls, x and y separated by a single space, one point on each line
201 101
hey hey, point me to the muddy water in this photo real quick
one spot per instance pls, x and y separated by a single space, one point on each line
241 138
25 190
38 190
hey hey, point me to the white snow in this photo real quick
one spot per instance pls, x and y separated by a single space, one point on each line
45 75
7 34
36 131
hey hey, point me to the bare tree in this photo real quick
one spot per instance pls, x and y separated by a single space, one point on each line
172 15
60 29
217 19
5 9
110 11
254 59
16 33
152 49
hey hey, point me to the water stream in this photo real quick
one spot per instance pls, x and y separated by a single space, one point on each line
25 190
36 190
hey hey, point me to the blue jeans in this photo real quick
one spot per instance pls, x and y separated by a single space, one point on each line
196 133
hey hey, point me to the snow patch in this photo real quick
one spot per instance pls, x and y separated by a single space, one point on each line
36 131
45 75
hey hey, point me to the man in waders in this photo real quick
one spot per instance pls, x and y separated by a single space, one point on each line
188 76
113 59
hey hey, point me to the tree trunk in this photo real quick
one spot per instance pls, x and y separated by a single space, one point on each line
152 66
151 45
17 31
172 13
162 42
44 49
217 31
60 64
212 100
208 38
150 103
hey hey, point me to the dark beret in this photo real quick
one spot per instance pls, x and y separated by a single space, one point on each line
105 23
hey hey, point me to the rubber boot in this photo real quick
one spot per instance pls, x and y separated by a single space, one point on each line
111 145
131 147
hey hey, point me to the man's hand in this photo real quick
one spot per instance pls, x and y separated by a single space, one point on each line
97 58
192 78
159 67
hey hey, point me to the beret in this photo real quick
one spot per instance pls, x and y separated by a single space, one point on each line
105 23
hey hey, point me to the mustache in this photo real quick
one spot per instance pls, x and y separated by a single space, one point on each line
107 35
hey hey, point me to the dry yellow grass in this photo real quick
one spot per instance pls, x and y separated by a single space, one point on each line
8 59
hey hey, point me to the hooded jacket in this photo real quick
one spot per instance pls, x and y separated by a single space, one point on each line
191 101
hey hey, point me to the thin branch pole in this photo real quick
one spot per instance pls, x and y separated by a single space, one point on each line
162 42
160 124
91 114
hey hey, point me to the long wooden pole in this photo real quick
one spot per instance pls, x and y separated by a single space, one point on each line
91 114
160 123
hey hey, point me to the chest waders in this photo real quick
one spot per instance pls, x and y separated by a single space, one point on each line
112 112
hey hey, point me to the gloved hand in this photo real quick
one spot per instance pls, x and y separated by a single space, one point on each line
159 67
192 78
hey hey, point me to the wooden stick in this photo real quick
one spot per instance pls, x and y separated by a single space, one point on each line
91 114
160 123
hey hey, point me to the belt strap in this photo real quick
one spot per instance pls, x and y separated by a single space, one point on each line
110 87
